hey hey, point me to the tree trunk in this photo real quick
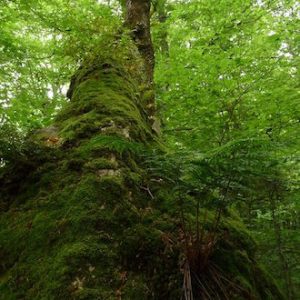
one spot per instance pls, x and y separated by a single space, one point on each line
285 270
138 21
160 9
79 220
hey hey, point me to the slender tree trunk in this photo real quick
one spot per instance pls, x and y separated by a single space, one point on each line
279 244
138 21
160 9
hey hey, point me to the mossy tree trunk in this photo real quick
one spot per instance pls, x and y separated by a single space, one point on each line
78 220
138 21
73 225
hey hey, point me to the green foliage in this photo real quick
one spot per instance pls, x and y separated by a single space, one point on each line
11 142
227 90
41 45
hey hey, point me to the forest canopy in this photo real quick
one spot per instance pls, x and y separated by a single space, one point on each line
215 139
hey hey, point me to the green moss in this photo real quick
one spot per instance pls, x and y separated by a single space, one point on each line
79 216
107 143
136 288
265 285
101 163
100 98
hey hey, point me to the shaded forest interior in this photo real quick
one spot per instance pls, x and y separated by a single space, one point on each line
149 149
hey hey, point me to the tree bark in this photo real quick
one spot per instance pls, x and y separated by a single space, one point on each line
160 9
79 223
138 21
285 270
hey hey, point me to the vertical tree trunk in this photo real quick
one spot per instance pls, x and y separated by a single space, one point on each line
138 21
278 238
160 9
78 223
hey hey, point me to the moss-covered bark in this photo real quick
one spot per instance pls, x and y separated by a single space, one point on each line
76 222
138 21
